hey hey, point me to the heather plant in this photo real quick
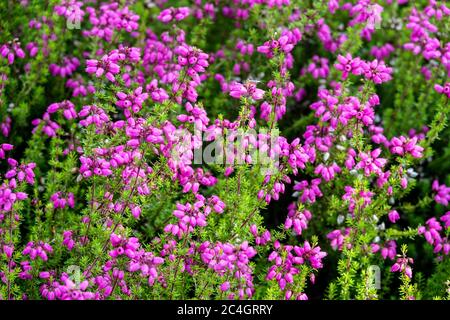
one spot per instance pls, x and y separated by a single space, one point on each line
262 149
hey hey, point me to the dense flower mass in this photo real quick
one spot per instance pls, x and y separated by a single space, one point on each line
224 149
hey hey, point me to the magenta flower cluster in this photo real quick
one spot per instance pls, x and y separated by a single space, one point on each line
297 102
